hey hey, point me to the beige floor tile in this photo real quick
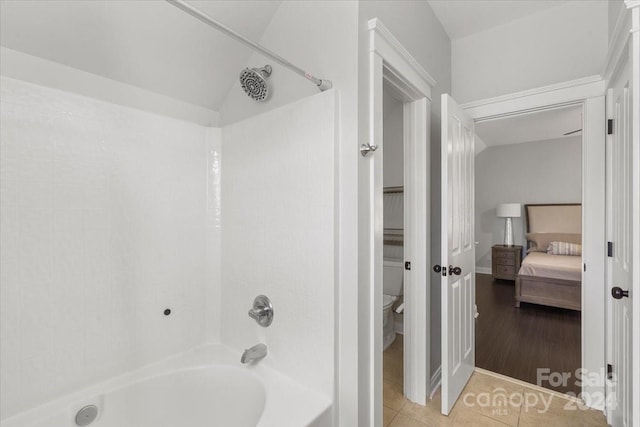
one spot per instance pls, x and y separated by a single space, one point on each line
593 418
388 415
422 413
393 374
550 410
490 401
393 362
393 369
392 395
466 417
536 400
429 414
539 399
404 421
397 345
481 382
396 349
493 398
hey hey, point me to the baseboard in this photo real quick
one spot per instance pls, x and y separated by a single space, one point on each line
483 270
436 380
529 385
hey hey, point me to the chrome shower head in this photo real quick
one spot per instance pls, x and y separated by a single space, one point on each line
254 82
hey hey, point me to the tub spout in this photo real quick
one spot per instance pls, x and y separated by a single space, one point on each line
254 353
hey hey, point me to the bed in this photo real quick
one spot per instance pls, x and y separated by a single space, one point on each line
546 278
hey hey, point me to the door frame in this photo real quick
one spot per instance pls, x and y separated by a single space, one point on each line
634 7
588 93
391 64
624 39
612 386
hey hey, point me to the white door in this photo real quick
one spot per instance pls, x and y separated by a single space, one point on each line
619 213
458 252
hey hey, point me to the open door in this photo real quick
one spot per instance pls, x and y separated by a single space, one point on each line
619 223
458 252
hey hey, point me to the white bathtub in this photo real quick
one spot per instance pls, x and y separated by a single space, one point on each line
206 387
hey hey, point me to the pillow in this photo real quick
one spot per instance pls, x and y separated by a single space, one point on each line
540 241
564 248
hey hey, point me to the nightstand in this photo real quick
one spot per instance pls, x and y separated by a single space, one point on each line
505 261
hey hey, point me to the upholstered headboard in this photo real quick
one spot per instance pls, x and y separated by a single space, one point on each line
554 218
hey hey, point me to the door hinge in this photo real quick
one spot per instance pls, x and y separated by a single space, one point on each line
609 249
407 265
610 127
584 267
609 371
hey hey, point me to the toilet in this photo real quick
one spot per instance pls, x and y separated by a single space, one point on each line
393 286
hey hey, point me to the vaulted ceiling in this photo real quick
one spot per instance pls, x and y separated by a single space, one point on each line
148 44
154 46
461 18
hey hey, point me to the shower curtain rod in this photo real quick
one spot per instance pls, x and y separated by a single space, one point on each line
322 84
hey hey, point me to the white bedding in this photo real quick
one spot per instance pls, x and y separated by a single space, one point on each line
541 264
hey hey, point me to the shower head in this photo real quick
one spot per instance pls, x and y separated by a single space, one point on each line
254 82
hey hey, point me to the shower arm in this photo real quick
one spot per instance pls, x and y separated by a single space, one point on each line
322 84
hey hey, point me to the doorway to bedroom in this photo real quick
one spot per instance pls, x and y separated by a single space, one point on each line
528 216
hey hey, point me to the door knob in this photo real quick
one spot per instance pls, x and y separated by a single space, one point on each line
618 293
437 268
454 270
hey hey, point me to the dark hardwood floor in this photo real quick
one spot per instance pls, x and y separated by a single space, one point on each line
517 341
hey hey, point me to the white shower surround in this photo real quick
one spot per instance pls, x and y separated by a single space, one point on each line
278 195
110 215
103 225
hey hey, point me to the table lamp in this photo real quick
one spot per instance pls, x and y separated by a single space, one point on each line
508 211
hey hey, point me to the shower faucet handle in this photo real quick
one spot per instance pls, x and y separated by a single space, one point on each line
262 311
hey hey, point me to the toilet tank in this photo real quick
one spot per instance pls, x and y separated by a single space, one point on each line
392 281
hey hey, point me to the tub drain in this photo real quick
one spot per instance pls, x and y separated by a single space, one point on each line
86 415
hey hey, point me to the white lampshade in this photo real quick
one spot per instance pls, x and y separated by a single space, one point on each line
508 210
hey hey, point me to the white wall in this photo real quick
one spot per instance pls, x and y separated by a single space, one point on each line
532 172
614 9
103 227
393 168
559 44
393 141
278 200
416 26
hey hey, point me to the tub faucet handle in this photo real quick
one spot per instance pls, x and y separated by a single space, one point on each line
262 311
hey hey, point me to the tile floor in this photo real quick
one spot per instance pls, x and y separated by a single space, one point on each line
485 401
